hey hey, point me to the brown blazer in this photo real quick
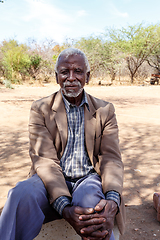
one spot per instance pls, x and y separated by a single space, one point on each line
48 138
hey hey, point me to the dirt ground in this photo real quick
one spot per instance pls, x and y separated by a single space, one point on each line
138 115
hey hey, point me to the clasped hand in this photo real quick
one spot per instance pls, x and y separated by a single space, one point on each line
92 224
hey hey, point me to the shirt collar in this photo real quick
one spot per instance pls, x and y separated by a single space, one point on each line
68 105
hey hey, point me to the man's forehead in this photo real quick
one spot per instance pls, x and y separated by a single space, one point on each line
74 59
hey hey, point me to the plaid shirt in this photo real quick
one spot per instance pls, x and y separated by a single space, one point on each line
75 162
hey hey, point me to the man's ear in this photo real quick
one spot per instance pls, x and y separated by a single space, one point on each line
56 77
87 77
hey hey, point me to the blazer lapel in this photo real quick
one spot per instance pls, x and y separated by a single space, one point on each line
61 118
61 121
90 125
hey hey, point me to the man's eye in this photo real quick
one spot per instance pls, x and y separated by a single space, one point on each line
78 71
64 72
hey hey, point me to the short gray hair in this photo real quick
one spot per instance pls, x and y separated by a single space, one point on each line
69 52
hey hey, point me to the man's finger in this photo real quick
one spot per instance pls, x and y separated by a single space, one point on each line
89 230
94 231
89 216
100 206
85 211
94 221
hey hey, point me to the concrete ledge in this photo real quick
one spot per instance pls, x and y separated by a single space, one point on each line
57 230
61 230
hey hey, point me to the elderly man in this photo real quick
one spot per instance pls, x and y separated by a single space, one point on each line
76 170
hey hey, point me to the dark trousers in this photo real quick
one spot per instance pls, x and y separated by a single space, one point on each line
27 206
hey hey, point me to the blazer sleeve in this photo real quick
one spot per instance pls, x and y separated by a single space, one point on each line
44 156
110 163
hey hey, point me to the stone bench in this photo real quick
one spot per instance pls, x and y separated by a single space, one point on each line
61 230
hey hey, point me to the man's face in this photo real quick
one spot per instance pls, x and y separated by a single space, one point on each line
72 75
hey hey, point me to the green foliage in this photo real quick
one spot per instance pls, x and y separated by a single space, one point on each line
135 43
35 61
102 56
55 58
34 66
91 47
154 59
15 58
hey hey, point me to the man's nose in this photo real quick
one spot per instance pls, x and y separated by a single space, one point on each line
71 76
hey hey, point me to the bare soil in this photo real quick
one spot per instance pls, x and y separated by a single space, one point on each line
138 115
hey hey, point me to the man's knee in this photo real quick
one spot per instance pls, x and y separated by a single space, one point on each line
88 193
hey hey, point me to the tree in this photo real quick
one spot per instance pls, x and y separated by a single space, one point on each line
154 59
102 55
45 52
20 60
15 58
110 59
34 66
92 48
59 48
136 43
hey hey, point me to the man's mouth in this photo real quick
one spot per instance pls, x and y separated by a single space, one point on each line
71 86
72 89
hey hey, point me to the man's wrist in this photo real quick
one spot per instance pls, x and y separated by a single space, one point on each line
65 211
60 203
114 196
